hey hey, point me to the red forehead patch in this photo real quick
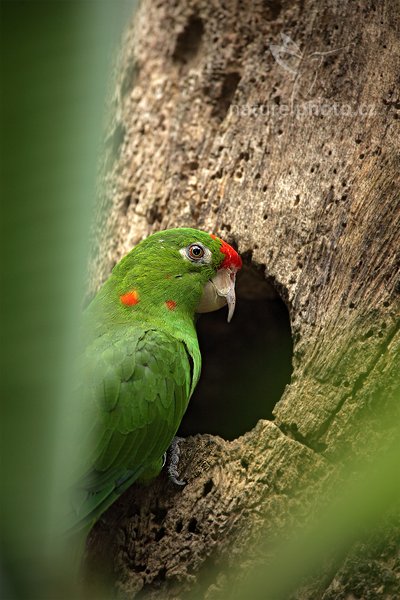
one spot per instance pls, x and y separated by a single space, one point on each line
232 258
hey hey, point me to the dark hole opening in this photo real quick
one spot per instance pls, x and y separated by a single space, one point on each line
246 363
189 40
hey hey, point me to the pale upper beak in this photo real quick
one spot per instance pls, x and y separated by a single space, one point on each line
218 291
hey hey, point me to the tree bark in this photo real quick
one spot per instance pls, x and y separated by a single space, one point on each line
289 148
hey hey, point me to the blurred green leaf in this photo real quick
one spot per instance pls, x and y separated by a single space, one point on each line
55 62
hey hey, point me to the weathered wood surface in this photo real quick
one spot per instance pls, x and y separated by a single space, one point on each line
299 168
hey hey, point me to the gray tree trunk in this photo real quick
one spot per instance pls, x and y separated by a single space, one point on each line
276 125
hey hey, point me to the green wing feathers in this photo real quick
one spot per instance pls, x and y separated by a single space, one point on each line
139 382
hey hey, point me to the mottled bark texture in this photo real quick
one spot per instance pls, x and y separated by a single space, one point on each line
287 147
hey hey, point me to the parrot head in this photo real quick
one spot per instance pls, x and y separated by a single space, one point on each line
178 270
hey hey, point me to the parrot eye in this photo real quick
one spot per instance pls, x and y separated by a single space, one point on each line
195 251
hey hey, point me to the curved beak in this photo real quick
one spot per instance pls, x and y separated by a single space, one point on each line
218 291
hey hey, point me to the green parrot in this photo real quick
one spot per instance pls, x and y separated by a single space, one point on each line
142 360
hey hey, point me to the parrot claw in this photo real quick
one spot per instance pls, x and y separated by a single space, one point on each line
174 453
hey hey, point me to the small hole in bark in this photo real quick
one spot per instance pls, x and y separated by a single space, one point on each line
189 40
159 534
159 515
208 486
368 334
126 204
217 175
192 527
273 9
153 215
161 574
246 363
139 568
228 90
178 526
245 463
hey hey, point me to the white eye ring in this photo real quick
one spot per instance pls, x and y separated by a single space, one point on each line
189 253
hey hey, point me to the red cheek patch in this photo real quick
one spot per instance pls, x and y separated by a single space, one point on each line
170 304
130 298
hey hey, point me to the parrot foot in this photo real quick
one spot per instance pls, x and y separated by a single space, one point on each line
172 468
